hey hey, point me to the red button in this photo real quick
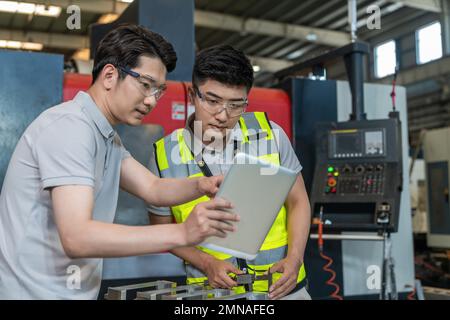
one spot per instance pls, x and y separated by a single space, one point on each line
333 190
332 182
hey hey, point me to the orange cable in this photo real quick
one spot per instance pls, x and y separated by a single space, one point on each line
412 294
330 281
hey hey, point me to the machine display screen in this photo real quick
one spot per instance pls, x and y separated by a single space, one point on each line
357 143
374 143
348 143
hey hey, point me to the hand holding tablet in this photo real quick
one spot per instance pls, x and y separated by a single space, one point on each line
257 191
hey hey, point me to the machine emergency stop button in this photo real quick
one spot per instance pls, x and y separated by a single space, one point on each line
332 182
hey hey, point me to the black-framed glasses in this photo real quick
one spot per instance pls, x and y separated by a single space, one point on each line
146 84
216 105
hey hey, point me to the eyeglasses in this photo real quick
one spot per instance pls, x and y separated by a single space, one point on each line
146 85
216 105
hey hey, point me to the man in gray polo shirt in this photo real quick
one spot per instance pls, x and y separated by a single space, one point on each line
60 191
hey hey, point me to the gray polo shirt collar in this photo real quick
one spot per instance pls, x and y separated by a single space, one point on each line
93 112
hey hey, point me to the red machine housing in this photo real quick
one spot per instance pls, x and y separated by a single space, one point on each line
172 110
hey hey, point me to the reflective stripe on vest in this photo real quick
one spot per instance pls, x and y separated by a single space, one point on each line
185 166
185 153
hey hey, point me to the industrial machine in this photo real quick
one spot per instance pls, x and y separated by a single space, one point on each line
358 174
354 173
436 148
17 110
357 180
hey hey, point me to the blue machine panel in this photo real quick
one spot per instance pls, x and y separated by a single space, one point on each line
173 19
29 84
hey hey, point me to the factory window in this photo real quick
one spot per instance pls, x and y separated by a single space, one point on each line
385 59
429 43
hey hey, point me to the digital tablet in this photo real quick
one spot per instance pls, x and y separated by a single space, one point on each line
257 191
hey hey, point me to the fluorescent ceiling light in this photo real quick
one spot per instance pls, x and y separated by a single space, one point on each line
108 18
13 44
32 46
25 8
30 8
48 11
7 44
8 6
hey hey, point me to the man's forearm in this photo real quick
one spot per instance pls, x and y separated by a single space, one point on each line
139 181
98 239
191 254
170 192
299 217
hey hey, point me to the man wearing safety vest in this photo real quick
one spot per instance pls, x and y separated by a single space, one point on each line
221 81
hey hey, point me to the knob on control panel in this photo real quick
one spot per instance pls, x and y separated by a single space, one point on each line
347 169
359 169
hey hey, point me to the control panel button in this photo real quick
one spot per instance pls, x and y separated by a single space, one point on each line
332 182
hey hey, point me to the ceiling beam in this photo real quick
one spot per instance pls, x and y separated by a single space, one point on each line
427 5
77 42
214 20
269 64
221 21
423 72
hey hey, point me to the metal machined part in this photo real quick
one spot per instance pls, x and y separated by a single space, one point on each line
185 296
124 292
158 294
257 296
198 295
243 296
245 279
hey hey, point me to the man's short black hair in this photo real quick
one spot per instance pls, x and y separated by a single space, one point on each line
123 46
223 64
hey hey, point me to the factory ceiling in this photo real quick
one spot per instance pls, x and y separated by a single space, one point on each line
275 34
